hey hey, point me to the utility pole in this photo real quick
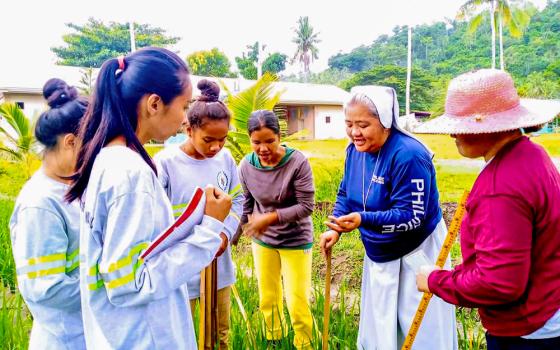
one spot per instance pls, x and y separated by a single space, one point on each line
409 69
259 59
132 37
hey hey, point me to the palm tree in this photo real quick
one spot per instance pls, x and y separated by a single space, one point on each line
19 138
305 40
475 10
258 96
515 14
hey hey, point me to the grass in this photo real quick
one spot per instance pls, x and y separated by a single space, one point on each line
7 266
12 176
327 161
452 181
551 142
15 320
442 145
248 327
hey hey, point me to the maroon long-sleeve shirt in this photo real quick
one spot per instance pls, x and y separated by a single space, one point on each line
510 241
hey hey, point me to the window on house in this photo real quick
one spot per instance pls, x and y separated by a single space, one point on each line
21 105
327 119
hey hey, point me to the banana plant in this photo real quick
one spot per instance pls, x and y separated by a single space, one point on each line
258 96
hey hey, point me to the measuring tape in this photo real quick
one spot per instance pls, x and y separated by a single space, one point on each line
442 257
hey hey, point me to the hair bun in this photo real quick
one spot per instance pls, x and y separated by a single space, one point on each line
57 92
210 91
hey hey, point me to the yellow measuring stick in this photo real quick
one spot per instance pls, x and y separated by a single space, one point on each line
442 257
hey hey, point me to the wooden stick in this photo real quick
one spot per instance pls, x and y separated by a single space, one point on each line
442 257
214 334
208 309
327 310
201 310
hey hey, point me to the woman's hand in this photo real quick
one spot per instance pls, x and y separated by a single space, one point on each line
218 203
328 240
345 223
258 223
224 245
422 277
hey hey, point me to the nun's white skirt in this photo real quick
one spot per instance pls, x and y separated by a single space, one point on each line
389 300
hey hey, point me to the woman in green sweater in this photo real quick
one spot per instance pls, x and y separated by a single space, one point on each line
279 193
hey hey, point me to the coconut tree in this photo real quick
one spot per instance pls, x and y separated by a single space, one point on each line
475 11
306 40
515 14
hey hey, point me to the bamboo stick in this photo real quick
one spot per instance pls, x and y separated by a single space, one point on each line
201 309
208 308
214 330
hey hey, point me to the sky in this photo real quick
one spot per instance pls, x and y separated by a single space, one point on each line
30 28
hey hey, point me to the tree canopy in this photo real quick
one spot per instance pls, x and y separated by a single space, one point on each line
212 63
89 45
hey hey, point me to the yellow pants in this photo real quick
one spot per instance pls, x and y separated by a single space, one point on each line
223 318
293 267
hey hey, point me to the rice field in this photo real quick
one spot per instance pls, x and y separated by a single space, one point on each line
247 326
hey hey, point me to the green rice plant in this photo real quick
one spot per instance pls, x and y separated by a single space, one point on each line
470 331
12 176
344 318
247 329
15 320
452 181
327 176
7 265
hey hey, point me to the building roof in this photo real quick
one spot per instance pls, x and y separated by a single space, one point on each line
31 82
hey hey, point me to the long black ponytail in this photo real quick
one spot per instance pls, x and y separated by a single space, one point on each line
119 87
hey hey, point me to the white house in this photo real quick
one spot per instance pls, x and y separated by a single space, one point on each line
314 107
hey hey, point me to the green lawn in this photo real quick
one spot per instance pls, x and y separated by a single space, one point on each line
327 161
551 142
442 145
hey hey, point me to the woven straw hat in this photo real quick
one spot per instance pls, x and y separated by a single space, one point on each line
486 101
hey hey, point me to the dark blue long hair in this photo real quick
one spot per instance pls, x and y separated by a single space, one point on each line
113 109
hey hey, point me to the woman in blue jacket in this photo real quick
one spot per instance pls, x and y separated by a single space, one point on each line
389 193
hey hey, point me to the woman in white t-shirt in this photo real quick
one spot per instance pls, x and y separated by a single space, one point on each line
201 160
129 302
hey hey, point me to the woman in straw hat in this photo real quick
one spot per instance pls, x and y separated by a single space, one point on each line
510 235
389 193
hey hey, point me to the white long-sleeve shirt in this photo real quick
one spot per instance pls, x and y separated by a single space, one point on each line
180 174
128 303
45 237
